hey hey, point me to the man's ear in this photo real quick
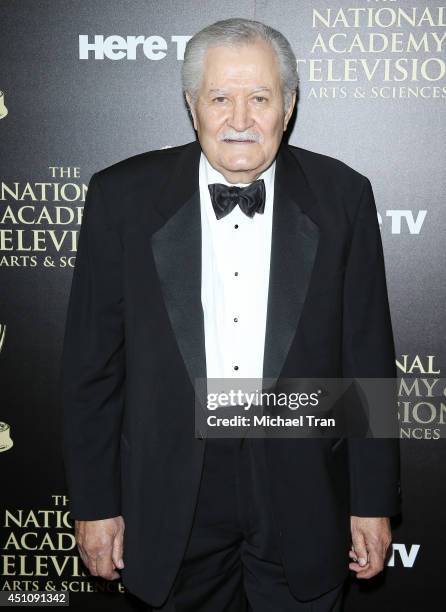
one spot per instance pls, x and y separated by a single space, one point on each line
289 111
191 110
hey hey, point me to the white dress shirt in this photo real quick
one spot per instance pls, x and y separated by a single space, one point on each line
235 277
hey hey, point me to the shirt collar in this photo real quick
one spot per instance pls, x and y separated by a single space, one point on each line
212 175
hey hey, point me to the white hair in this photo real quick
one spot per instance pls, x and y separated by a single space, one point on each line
232 33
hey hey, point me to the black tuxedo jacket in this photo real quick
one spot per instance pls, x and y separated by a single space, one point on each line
134 343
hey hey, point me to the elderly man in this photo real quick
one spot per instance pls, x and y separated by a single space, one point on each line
237 256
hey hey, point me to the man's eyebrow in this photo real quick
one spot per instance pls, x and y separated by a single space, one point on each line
224 92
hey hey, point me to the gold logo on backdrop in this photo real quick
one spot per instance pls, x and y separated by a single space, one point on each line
3 109
2 335
5 437
5 430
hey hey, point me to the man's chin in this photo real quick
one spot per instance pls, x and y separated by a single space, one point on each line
241 165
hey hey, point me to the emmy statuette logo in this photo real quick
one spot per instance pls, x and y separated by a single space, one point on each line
3 109
5 437
5 430
2 335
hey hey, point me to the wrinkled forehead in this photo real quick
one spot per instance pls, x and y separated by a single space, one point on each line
240 68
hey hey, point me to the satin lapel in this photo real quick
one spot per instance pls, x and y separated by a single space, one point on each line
176 248
294 244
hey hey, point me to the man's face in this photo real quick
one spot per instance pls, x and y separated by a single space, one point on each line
239 115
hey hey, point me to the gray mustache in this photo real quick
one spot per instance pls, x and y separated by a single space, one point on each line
240 137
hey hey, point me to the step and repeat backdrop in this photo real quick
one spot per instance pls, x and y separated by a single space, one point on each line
85 84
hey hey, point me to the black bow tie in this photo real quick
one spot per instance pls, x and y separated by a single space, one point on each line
225 198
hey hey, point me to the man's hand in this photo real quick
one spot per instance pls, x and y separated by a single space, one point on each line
100 545
371 537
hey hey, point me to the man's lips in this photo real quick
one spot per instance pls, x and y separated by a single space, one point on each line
229 141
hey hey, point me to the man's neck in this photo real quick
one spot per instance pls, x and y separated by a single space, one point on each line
241 177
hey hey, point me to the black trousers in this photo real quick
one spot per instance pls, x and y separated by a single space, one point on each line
232 563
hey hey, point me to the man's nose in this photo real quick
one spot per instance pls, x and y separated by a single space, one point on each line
240 118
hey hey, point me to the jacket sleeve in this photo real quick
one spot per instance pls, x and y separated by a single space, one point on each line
93 368
369 352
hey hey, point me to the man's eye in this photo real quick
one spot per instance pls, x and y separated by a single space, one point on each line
261 99
219 99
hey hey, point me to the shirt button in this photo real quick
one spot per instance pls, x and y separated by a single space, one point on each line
235 367
235 273
235 319
236 226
